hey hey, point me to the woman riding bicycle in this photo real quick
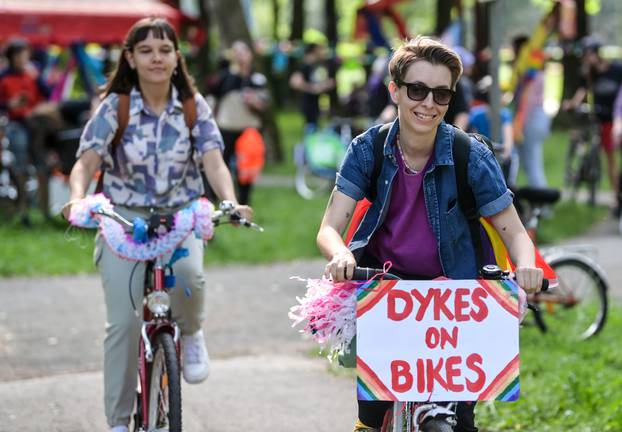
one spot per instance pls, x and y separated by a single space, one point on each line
415 222
154 169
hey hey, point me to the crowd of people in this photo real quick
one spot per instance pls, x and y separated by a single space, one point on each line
153 157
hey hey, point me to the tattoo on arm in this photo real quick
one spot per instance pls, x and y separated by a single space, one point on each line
348 215
504 229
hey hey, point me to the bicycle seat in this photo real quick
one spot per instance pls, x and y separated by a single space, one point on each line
538 196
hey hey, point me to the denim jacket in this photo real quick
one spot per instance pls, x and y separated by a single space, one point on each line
450 227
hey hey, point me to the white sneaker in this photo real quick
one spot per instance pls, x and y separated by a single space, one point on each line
195 359
119 429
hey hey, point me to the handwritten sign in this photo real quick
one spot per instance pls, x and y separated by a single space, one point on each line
441 340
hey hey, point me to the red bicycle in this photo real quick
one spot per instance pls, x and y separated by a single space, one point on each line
158 398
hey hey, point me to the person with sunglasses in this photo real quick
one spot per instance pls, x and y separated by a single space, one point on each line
415 221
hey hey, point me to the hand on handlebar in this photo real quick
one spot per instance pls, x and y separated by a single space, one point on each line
65 210
244 212
341 266
529 278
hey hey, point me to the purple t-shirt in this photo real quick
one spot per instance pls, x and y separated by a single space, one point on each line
406 237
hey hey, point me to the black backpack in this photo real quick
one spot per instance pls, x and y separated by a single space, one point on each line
466 198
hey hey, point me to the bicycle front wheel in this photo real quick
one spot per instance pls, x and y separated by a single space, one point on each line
165 387
437 425
578 306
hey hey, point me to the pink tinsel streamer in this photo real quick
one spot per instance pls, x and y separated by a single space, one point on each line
329 312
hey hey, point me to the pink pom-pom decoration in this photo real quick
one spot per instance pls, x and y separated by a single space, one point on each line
203 225
81 213
329 310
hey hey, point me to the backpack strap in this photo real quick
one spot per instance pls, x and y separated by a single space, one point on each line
466 198
189 106
378 145
123 119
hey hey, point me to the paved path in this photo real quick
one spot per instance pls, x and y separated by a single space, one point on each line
263 377
51 331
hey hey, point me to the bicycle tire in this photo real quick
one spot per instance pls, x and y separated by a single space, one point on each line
592 172
309 185
437 425
582 310
572 168
165 386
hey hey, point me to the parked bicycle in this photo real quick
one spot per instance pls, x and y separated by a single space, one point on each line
318 157
583 155
158 395
577 303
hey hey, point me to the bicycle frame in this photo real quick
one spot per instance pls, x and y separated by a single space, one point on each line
151 327
414 414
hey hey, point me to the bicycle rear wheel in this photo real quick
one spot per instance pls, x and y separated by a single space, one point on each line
577 308
572 169
165 387
309 185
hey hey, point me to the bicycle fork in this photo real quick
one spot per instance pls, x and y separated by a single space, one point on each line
150 328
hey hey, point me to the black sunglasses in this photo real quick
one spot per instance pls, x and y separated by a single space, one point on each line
418 92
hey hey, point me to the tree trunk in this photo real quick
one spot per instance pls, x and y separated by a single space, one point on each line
231 22
276 16
443 15
571 61
204 67
298 20
482 38
330 20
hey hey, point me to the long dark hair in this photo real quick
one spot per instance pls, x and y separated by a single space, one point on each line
123 78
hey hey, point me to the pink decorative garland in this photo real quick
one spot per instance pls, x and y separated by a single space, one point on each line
197 217
329 310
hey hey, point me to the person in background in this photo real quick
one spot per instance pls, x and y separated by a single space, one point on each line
458 111
603 78
23 96
242 97
479 122
532 125
309 81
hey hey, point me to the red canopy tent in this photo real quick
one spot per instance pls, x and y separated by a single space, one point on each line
67 21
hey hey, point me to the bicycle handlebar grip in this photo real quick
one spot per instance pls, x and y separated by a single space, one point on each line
545 285
364 273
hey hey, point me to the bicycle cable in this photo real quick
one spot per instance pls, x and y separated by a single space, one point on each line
130 288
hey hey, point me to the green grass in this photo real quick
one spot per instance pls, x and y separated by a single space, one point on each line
290 223
570 219
290 123
565 386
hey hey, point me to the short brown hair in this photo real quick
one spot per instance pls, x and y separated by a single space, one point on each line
428 49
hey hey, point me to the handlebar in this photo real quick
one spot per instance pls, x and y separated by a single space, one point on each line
224 215
366 273
227 211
